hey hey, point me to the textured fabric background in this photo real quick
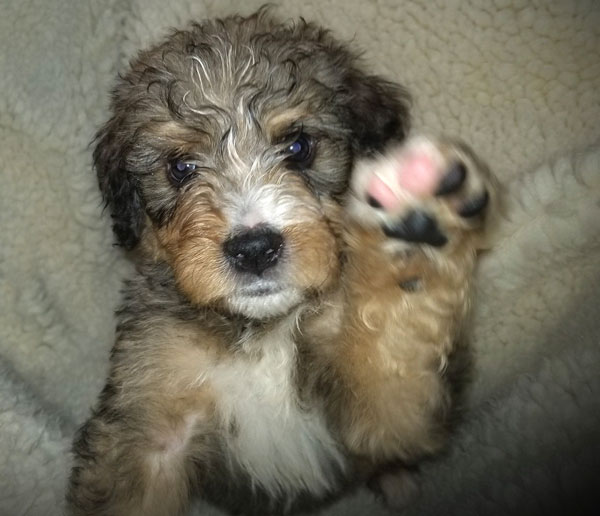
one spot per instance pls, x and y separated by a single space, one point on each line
518 79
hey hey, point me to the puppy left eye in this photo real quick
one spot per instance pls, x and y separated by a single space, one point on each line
301 152
181 170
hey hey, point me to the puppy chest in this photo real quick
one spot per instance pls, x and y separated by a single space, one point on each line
283 447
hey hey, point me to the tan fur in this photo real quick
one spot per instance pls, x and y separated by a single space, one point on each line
279 122
192 243
396 345
317 263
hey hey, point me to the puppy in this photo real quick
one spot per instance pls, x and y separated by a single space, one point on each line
303 271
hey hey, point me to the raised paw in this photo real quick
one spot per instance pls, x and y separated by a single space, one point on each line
426 191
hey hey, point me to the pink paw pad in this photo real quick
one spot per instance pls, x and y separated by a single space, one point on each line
419 175
416 174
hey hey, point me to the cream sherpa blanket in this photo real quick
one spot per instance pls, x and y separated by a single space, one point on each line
519 80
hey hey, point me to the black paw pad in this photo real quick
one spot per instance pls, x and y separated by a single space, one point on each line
474 206
419 227
453 179
374 203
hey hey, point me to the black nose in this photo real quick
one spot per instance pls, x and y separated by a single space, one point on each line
254 250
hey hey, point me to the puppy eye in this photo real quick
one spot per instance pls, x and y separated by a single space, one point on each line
180 171
301 152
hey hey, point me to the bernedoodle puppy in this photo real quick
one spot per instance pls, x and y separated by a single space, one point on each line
303 272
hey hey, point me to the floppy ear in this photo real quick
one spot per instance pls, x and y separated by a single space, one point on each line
118 185
379 111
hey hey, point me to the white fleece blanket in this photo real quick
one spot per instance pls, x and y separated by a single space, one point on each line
518 80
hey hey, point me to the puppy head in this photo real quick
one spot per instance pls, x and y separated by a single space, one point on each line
230 149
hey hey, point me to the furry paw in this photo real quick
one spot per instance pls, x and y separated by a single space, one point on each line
425 192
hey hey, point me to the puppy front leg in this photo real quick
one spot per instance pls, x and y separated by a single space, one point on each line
415 221
134 462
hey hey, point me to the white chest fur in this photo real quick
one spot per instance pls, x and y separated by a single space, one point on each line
282 447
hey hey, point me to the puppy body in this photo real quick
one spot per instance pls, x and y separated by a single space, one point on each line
220 393
291 319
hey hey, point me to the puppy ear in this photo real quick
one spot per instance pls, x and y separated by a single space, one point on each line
379 111
119 187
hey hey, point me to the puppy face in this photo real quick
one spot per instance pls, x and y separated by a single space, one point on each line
229 152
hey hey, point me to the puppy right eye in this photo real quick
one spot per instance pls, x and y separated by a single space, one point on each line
301 152
181 170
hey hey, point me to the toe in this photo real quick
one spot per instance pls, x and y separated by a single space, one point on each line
474 206
419 227
454 178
